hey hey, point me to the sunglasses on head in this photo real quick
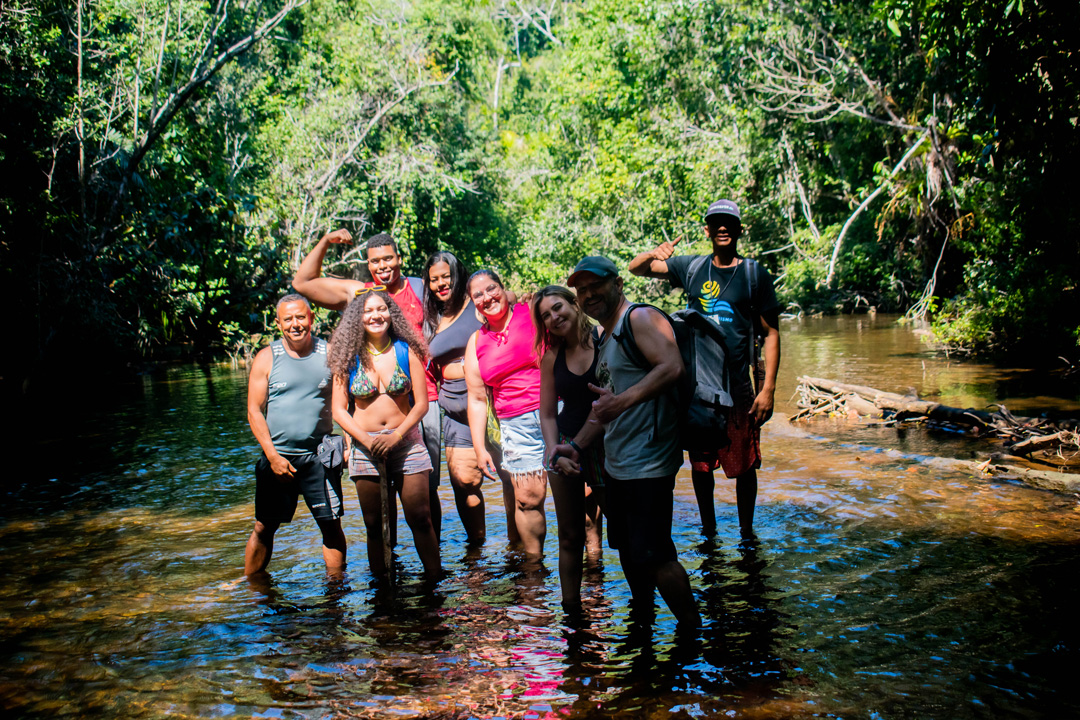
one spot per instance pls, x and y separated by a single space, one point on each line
365 290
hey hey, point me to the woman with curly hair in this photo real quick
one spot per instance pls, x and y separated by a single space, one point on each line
450 319
375 355
500 355
570 348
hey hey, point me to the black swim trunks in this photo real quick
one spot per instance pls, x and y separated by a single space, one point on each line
639 518
276 497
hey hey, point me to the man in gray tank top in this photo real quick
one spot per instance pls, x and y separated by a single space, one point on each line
289 412
637 409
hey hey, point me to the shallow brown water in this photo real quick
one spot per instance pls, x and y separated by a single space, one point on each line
879 587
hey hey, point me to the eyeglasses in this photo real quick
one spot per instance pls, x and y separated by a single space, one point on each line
365 290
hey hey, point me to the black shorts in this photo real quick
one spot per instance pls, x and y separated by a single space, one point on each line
639 518
276 496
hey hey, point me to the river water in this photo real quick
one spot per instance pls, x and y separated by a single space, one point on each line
878 587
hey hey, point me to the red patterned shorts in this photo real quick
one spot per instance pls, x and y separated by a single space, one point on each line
743 451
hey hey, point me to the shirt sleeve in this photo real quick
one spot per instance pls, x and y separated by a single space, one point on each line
677 267
766 291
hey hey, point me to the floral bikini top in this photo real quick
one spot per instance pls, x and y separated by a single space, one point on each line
361 386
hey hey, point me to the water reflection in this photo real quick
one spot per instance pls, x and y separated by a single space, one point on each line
878 585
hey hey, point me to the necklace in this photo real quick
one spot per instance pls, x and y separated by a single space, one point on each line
728 283
377 351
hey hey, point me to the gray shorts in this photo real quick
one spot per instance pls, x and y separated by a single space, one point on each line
454 400
408 457
431 430
455 434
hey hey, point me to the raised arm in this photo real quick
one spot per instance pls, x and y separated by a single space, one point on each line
327 292
258 391
653 263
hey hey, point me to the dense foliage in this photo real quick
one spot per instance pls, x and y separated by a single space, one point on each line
165 163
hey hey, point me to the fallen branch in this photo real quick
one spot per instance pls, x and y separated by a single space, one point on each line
1054 444
990 469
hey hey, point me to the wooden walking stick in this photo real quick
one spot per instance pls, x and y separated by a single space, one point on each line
387 540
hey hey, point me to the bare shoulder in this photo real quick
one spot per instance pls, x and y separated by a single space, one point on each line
646 319
263 360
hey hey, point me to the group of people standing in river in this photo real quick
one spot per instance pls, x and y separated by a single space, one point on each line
417 366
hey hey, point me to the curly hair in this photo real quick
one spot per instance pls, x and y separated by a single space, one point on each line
348 348
435 309
545 339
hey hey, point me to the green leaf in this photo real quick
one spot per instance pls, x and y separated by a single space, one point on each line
893 26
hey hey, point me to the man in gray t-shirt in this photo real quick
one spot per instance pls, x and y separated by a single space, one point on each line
637 410
289 412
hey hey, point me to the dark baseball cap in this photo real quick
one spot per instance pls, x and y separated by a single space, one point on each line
598 266
724 207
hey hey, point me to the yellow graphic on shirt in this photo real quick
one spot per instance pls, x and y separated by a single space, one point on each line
710 301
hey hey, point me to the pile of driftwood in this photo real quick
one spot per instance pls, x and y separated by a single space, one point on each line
1035 439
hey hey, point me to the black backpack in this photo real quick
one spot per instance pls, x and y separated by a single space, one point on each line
703 392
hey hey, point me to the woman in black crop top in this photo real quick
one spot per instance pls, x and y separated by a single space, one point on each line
450 319
566 370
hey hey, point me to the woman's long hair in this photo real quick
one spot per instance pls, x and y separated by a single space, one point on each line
545 339
434 309
348 346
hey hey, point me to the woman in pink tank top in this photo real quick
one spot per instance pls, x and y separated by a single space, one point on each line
501 356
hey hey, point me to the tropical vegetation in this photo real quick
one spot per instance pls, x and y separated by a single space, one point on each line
165 163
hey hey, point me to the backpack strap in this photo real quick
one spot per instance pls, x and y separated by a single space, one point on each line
691 272
401 351
626 337
755 315
751 282
417 286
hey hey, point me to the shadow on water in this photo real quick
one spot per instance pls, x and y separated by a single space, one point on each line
878 587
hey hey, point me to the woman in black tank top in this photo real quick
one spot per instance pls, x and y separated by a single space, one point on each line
449 321
568 367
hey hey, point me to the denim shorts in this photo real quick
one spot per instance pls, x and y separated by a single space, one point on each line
522 443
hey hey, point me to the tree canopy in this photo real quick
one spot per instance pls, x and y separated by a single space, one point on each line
165 163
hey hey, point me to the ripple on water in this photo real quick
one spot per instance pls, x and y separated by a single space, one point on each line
877 586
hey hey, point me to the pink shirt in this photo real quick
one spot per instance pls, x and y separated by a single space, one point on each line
509 365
